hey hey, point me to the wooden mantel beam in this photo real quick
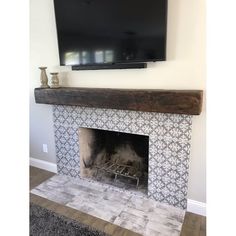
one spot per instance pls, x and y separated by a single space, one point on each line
148 100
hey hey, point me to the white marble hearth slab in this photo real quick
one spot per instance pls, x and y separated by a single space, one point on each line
136 213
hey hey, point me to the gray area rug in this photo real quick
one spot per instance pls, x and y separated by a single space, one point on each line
44 222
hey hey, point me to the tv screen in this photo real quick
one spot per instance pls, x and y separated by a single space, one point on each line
93 32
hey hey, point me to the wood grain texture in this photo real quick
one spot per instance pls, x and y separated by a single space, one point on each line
164 101
37 176
193 224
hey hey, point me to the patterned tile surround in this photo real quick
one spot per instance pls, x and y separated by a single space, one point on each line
169 145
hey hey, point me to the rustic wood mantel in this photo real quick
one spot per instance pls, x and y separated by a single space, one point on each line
148 100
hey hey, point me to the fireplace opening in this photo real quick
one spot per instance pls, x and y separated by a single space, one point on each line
116 158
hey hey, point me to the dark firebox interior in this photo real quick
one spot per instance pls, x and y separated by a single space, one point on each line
134 156
110 141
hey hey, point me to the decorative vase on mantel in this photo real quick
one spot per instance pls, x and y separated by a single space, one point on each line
43 77
55 80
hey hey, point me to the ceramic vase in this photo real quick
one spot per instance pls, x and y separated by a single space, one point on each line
55 80
43 77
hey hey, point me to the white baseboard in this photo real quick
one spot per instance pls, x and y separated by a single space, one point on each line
196 207
192 205
45 165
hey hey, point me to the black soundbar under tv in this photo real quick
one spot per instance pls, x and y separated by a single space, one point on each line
110 66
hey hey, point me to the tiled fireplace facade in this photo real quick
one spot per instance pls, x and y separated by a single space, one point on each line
169 145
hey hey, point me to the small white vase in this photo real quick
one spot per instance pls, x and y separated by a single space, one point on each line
55 80
43 77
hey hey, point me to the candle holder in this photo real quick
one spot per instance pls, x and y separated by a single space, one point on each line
55 80
43 77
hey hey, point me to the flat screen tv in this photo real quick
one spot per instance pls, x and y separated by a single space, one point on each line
108 32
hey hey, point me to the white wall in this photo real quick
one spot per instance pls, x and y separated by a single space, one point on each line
184 69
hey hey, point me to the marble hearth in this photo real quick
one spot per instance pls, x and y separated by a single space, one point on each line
169 145
140 215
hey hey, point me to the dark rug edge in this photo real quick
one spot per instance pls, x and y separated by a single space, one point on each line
74 225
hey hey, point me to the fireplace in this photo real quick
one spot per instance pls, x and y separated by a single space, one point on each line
116 158
168 136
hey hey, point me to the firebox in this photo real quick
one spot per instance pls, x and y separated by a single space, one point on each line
116 158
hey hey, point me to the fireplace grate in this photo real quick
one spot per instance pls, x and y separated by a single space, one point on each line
120 170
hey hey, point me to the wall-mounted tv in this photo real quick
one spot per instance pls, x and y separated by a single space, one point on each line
110 32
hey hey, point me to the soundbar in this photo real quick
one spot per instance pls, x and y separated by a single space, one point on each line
111 66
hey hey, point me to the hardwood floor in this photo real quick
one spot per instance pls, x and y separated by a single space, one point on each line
194 225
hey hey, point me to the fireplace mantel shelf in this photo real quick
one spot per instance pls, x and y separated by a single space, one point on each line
148 100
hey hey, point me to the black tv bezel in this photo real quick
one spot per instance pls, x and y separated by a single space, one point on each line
113 65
